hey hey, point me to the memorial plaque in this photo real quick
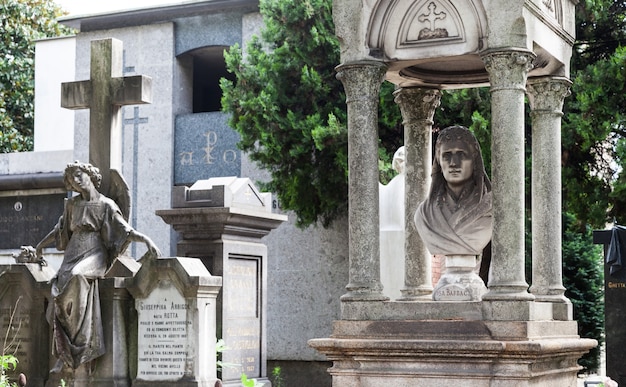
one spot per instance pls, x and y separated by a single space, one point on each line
25 220
205 146
162 338
242 325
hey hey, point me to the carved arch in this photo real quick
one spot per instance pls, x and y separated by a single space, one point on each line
407 30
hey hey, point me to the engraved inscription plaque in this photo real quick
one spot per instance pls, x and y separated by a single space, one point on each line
242 325
25 220
163 329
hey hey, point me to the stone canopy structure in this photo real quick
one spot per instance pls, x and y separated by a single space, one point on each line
517 48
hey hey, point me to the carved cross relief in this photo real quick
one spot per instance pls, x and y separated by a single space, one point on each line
432 16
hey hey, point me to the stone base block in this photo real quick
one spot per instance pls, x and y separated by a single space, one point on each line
454 353
179 383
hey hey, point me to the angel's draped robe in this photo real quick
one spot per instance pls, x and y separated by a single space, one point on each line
91 234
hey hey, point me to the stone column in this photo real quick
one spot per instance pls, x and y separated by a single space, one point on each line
418 107
546 96
362 81
508 70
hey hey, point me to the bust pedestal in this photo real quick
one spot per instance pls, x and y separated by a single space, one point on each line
460 282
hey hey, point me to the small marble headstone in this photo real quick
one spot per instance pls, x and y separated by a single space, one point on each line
175 300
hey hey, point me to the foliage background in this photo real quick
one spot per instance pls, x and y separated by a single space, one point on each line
22 22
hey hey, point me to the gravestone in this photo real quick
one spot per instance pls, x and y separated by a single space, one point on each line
104 94
221 221
614 313
510 336
175 336
24 296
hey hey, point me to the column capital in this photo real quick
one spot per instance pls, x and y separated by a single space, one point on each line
546 94
361 80
417 103
508 67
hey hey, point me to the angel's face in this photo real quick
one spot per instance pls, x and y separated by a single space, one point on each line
81 181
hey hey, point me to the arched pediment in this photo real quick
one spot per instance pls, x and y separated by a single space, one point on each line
407 30
415 37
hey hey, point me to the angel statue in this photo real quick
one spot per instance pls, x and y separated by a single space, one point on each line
92 232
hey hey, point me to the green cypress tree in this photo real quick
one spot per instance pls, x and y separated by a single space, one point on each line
290 109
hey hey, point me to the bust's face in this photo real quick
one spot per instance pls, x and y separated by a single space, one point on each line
457 164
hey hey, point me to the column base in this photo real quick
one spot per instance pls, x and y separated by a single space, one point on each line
416 294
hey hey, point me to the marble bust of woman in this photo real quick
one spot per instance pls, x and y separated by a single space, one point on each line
456 218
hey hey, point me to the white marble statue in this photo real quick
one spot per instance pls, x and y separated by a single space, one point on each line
391 205
456 218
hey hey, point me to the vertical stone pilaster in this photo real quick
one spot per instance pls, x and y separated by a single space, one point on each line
508 70
361 81
418 107
546 95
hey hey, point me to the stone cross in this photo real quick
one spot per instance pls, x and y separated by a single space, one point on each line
104 94
432 16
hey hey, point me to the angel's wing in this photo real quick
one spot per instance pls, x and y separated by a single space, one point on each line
119 192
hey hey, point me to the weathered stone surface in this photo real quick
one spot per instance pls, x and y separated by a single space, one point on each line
24 295
104 93
418 107
434 353
362 83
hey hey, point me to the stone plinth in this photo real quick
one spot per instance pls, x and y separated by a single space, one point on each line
175 324
222 221
24 294
116 308
433 353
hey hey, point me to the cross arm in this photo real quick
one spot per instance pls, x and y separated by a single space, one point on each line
76 95
134 90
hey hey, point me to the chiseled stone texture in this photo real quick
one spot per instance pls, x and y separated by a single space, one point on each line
310 266
468 353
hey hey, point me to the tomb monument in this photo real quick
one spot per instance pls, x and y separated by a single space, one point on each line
515 334
221 221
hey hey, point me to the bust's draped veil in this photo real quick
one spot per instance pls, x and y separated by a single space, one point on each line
462 227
